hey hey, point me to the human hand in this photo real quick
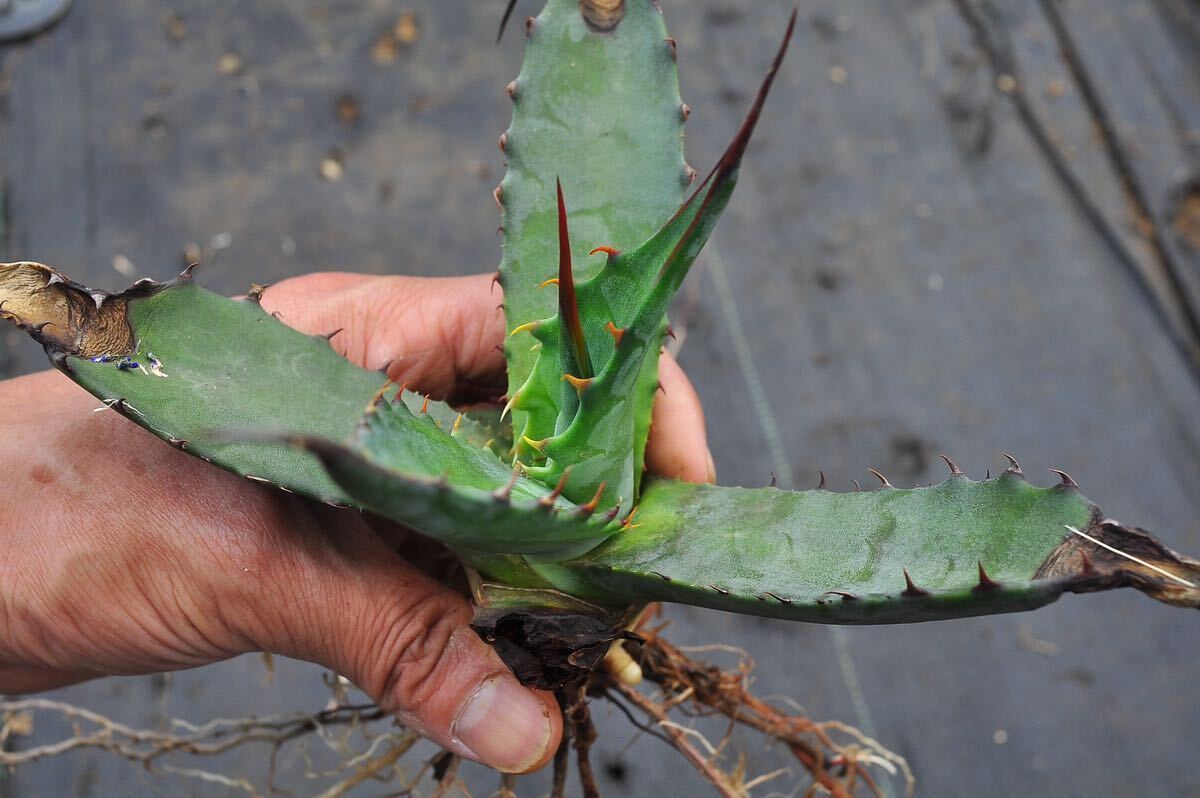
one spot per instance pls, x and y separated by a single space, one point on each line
120 555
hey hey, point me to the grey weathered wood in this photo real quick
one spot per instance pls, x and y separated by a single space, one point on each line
912 274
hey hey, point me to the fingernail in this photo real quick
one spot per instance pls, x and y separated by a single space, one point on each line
712 470
505 725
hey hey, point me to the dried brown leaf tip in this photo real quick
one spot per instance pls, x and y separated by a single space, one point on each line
66 316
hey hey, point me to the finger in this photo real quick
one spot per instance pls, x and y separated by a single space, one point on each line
678 444
354 606
440 335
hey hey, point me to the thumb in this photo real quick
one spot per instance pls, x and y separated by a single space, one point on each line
345 600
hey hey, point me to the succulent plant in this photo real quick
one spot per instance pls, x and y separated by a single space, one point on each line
547 500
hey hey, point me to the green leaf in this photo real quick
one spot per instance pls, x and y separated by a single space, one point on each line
842 558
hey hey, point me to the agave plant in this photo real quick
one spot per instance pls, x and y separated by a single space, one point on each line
546 501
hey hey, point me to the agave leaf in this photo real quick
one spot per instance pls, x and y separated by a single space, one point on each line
617 320
406 467
956 549
190 365
601 111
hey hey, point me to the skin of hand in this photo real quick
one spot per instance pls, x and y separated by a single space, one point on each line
120 555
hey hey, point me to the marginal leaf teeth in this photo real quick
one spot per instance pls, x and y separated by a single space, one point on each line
910 588
821 484
548 500
590 507
780 599
377 399
672 46
685 111
551 281
505 493
539 446
609 251
986 583
529 326
498 196
503 142
255 294
425 406
330 335
955 471
1065 477
857 487
1014 467
881 478
186 274
716 589
845 596
578 383
616 332
1085 564
457 423
627 523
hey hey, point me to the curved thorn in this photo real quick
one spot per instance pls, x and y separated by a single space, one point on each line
627 523
509 405
881 478
774 482
1014 467
457 424
498 196
425 406
986 583
580 385
613 512
857 487
186 274
551 281
1085 564
955 471
539 446
987 475
663 577
910 589
548 500
616 332
505 493
1065 477
720 590
609 251
845 596
780 599
821 484
670 333
495 282
329 336
377 399
590 507
528 326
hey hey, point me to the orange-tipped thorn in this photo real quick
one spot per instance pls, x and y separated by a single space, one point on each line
590 507
509 405
425 406
628 522
528 326
503 494
548 500
377 399
616 332
457 424
580 385
609 251
551 281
